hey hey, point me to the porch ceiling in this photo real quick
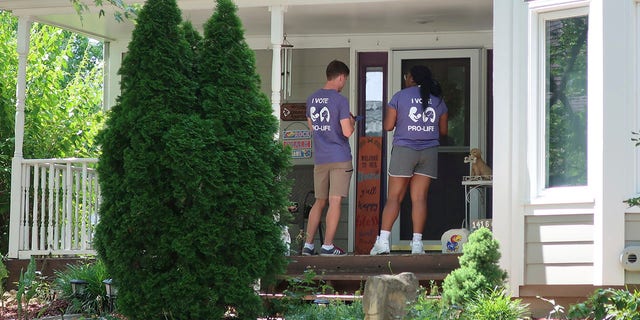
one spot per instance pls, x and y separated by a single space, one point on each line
302 18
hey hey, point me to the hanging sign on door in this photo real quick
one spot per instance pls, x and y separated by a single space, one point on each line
368 193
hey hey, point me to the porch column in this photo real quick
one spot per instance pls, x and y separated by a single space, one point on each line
24 30
277 36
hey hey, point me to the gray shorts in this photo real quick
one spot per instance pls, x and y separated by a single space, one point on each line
405 162
332 179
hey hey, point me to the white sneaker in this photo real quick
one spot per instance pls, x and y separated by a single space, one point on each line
417 247
380 247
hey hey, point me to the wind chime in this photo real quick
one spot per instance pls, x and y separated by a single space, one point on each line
287 58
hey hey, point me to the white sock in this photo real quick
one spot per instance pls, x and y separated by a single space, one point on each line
327 246
384 235
310 246
417 237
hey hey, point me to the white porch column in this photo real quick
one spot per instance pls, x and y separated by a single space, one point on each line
277 36
509 135
610 97
24 30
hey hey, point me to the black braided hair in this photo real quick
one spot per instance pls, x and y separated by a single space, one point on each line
422 77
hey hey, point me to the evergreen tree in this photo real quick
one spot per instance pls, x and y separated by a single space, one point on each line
143 214
479 271
190 185
248 161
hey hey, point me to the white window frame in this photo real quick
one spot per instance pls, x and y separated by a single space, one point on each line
540 12
637 97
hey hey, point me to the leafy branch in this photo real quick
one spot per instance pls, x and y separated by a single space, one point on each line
125 11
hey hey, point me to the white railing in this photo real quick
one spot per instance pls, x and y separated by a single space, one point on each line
59 204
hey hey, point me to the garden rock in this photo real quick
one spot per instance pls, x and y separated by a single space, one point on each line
386 296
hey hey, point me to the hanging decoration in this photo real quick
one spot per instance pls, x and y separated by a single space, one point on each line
287 59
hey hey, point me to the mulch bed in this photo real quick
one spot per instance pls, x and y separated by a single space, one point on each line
35 309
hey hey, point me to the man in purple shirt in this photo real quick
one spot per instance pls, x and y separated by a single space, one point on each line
332 124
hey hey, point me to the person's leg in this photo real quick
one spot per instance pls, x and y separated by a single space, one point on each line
419 189
339 181
321 192
397 187
400 172
426 169
396 190
332 219
314 219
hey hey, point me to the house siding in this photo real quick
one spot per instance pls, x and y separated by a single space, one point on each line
632 238
559 249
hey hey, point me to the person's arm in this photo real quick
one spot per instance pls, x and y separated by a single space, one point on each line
348 126
390 119
444 127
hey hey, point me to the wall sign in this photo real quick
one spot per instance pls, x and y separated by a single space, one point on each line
293 111
369 166
298 140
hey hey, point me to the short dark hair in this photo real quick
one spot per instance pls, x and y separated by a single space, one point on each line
336 68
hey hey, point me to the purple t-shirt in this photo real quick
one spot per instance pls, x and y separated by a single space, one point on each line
326 108
416 129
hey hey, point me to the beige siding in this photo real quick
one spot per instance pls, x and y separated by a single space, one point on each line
559 249
558 274
632 228
559 253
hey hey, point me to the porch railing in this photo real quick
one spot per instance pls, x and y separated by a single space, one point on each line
58 207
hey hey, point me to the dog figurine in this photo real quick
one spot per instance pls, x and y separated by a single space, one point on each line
478 166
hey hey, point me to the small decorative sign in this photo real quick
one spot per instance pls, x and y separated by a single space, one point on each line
298 144
479 223
300 149
293 112
296 134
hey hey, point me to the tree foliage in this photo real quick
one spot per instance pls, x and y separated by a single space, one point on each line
123 10
190 172
251 163
478 272
566 105
63 106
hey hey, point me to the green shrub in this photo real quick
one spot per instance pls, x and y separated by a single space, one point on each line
298 288
93 298
334 310
608 304
494 305
190 173
478 271
429 308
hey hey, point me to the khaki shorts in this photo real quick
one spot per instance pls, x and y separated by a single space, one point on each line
332 179
405 162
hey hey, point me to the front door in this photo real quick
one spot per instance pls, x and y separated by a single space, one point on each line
458 72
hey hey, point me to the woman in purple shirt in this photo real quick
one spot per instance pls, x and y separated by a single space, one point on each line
419 117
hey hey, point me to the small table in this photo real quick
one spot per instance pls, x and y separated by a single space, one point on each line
480 184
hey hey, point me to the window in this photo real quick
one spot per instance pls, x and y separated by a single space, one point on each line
565 100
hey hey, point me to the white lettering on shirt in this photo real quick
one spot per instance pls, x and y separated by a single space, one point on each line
421 128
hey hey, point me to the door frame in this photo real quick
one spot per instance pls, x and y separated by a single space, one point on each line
477 122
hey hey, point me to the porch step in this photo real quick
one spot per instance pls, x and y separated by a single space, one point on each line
349 273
